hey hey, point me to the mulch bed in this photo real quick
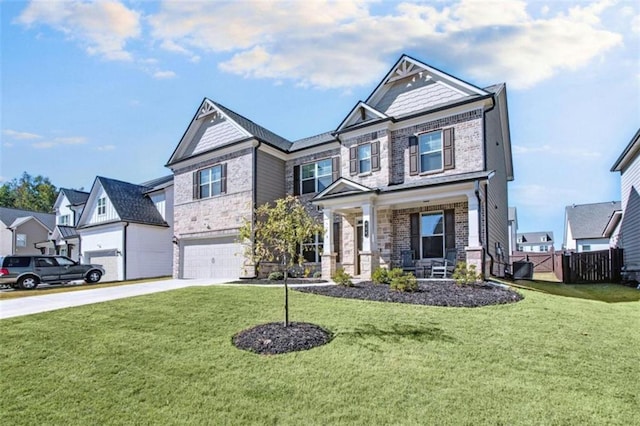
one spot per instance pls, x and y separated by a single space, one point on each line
279 282
274 338
434 293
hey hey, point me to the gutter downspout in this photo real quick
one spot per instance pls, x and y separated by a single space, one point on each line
124 251
477 192
255 198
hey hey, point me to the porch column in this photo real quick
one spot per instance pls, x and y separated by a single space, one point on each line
328 252
369 255
474 248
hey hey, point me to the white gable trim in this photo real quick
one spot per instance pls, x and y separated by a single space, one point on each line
89 214
22 220
356 114
339 184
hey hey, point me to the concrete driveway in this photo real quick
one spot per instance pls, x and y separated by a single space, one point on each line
50 302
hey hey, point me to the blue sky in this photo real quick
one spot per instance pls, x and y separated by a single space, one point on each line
107 88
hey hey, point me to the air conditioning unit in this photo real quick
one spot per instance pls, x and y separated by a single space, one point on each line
522 270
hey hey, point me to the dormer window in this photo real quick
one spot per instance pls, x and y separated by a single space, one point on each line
102 205
64 220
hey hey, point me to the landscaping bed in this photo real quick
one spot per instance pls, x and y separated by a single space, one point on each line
266 281
434 293
274 338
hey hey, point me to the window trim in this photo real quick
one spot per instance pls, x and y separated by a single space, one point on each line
441 150
316 177
443 234
102 205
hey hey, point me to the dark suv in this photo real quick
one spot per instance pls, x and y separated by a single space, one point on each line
26 272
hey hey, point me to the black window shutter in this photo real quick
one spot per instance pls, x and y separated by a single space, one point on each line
448 149
337 239
223 183
413 155
296 180
375 156
196 185
335 168
414 231
449 229
353 160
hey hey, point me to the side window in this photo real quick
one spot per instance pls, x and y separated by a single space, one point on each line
16 262
63 261
44 262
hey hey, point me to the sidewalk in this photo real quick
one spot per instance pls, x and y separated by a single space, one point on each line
50 302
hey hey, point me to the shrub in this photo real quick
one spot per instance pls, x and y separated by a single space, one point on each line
380 276
395 273
342 278
276 276
466 275
406 283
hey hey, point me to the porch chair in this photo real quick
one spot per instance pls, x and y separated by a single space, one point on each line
446 266
408 261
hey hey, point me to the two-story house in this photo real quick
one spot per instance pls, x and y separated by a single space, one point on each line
628 164
535 241
591 227
22 230
420 166
64 239
127 228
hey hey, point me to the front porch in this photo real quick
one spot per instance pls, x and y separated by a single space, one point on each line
376 227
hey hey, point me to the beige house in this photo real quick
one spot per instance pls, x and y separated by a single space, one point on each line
22 230
419 169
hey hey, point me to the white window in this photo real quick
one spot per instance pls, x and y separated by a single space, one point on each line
102 205
586 247
315 177
432 235
364 158
544 248
430 152
64 220
312 250
210 182
21 240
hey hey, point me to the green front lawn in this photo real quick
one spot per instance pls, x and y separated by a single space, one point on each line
167 358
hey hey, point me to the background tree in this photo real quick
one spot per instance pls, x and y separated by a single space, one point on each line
277 234
29 193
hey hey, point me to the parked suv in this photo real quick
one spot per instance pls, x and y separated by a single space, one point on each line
26 272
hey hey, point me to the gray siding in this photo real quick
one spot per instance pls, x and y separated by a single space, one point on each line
497 209
270 184
630 229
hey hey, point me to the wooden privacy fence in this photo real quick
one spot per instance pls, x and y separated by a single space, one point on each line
571 267
592 267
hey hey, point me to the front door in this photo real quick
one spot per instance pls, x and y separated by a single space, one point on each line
359 238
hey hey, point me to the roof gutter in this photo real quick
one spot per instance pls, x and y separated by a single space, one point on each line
124 251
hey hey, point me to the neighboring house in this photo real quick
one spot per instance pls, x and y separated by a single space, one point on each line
64 239
588 227
127 228
513 230
421 165
20 230
628 164
535 241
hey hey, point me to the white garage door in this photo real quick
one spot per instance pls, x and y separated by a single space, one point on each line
109 261
216 258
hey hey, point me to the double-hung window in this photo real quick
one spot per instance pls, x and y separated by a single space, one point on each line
64 220
430 152
210 183
432 235
21 240
315 177
312 250
102 205
364 158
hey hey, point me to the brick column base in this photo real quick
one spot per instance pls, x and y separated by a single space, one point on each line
474 257
328 265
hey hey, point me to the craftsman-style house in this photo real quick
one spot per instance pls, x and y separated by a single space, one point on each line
418 171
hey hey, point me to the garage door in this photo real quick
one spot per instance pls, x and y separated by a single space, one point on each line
217 258
109 261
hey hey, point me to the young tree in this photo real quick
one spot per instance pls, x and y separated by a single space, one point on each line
277 234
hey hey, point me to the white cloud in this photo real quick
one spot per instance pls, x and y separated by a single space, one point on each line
102 27
74 140
14 134
44 145
635 24
106 148
164 75
330 44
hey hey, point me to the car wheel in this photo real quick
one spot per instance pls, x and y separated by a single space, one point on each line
28 283
93 277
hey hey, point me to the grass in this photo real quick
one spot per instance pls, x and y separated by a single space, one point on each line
65 288
167 358
610 293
